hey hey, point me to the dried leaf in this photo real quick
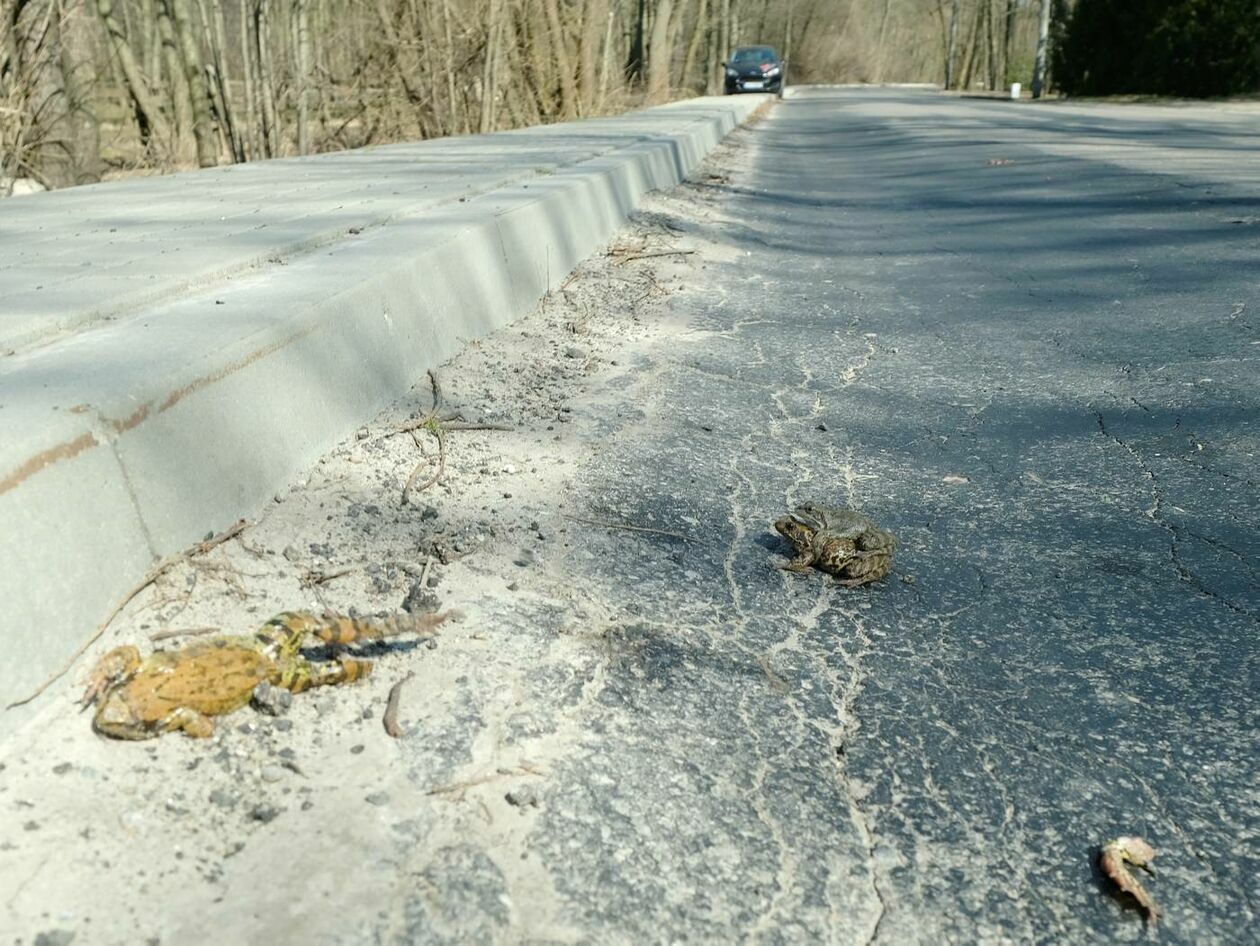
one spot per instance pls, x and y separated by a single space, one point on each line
1118 853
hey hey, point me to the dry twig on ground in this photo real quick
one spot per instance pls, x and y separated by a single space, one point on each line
627 528
438 421
310 577
654 255
390 719
183 632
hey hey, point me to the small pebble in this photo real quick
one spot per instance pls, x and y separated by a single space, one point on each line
514 586
274 701
355 750
377 798
420 600
272 773
54 938
523 797
291 553
62 769
361 433
282 725
264 813
573 351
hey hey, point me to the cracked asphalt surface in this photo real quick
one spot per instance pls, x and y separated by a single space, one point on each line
1040 370
1022 338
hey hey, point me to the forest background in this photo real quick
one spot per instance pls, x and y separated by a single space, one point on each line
92 89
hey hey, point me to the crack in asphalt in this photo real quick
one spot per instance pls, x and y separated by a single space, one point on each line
1155 514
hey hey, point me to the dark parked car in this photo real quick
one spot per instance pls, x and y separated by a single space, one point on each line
754 69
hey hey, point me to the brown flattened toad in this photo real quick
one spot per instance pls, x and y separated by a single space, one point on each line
183 689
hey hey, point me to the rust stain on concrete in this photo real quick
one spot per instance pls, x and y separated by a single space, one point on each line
132 420
229 369
65 451
46 458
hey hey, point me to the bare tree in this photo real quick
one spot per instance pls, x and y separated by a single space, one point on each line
659 50
189 60
1043 43
213 79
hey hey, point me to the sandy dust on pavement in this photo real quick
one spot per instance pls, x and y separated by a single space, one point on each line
253 829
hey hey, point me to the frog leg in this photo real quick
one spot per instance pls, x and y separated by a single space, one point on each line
109 671
802 563
194 724
867 576
856 582
285 633
298 674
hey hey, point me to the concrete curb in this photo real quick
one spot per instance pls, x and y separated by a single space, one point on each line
134 440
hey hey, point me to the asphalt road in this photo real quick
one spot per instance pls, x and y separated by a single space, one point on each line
1023 338
1026 340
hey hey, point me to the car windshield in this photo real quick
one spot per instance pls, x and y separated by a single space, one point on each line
754 56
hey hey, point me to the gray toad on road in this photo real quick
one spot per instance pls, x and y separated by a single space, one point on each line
841 541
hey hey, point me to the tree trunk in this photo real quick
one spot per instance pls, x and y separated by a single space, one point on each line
148 111
605 71
881 46
1008 40
249 133
659 54
403 71
724 31
634 64
1043 42
182 147
266 80
37 148
563 61
189 57
451 101
81 128
302 25
693 47
971 49
217 33
594 19
994 46
951 44
489 69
